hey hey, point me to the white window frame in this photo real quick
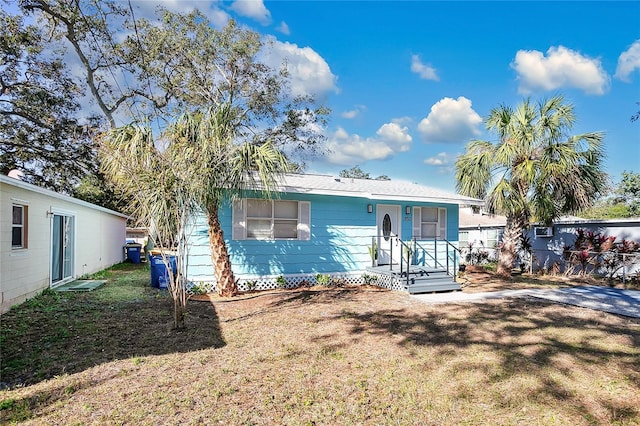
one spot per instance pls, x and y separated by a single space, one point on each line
492 242
24 227
241 220
441 224
463 243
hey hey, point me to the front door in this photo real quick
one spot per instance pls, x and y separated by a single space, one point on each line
388 220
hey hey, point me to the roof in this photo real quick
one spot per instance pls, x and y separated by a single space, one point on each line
371 189
573 220
485 220
29 187
467 219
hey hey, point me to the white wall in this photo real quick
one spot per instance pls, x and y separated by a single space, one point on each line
99 237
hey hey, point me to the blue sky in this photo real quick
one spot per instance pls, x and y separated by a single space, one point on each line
409 82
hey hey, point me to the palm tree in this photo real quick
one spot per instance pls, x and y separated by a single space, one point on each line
157 196
534 171
195 165
217 169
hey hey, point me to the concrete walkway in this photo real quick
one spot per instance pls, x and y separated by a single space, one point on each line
613 300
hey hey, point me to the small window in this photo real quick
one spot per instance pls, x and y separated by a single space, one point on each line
543 231
19 227
386 227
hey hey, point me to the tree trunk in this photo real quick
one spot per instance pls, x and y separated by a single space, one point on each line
179 311
225 282
510 245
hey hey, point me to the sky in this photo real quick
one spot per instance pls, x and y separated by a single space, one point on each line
409 82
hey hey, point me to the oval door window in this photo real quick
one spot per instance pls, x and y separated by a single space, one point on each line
386 227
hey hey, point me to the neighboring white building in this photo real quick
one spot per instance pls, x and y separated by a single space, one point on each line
480 231
48 239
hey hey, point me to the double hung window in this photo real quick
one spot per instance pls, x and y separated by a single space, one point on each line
259 219
19 226
430 223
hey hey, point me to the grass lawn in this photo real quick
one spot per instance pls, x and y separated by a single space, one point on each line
351 356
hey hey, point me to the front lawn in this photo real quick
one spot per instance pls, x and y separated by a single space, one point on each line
351 356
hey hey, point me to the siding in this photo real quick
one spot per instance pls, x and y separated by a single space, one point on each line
548 250
99 237
341 234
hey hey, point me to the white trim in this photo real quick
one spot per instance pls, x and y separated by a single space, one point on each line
20 201
24 185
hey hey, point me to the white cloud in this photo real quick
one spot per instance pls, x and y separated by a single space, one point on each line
351 114
395 136
450 121
283 28
253 9
628 62
561 68
442 159
309 72
346 149
147 9
426 72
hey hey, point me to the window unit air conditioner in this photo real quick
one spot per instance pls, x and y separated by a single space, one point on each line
543 231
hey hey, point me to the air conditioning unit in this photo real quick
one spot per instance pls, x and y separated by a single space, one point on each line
543 231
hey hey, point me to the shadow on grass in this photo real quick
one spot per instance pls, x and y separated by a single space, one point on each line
57 333
548 345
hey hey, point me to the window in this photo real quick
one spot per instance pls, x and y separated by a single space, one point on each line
19 227
257 219
492 238
430 223
463 239
543 231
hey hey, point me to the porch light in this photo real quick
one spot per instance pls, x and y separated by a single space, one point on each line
369 208
407 210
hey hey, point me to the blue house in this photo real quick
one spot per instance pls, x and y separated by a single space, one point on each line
390 233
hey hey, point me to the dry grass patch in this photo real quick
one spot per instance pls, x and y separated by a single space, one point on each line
475 282
355 356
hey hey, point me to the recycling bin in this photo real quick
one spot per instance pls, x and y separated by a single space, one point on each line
159 273
133 252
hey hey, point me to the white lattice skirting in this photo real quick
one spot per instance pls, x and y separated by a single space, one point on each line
292 281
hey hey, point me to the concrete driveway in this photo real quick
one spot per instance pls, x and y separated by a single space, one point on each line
613 300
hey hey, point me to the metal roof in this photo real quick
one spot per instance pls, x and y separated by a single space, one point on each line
395 190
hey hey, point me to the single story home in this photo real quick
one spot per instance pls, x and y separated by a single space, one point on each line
549 242
482 232
395 233
48 239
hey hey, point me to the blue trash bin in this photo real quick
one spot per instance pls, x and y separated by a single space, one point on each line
133 252
159 273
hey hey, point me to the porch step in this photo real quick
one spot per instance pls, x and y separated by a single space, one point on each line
434 280
432 286
421 279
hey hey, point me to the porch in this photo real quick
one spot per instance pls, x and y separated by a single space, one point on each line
416 266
